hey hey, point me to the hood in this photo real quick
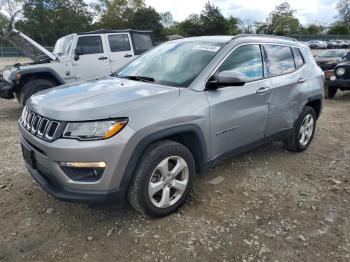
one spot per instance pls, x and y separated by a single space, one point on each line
345 63
108 98
28 46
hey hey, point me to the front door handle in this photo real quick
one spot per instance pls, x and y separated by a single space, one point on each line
103 58
301 80
263 90
128 55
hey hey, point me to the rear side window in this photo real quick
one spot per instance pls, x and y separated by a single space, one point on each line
280 60
90 45
142 42
246 60
298 57
119 43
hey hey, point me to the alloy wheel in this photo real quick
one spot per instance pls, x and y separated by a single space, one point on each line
306 129
168 182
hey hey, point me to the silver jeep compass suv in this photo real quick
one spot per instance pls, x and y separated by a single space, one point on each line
173 112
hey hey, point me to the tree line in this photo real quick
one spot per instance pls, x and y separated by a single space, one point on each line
47 20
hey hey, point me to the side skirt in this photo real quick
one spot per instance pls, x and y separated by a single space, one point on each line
278 136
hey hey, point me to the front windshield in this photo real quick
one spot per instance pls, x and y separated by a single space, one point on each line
63 45
174 63
332 53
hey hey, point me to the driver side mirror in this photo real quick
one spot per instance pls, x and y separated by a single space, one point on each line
77 53
227 78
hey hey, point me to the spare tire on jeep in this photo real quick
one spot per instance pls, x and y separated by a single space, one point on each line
32 87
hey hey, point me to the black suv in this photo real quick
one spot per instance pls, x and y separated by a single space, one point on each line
340 80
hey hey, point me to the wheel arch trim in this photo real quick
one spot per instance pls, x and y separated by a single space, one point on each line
37 70
157 136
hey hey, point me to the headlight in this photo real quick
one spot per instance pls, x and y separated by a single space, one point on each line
94 130
340 71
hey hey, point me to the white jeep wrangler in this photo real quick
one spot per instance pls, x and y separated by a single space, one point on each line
76 57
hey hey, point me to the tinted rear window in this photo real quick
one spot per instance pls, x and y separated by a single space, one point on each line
143 42
280 60
119 42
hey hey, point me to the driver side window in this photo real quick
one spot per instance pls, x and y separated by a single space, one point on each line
246 60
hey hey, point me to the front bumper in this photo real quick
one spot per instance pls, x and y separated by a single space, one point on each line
54 188
6 89
52 178
342 84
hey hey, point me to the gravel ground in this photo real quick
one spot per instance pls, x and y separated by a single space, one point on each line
272 206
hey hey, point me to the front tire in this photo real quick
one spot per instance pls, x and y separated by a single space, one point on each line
162 180
33 87
330 91
303 132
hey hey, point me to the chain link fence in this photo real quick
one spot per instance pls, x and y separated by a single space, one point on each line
320 37
6 50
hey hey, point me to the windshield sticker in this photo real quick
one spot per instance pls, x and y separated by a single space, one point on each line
206 48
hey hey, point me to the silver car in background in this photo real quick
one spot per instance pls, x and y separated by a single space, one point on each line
172 113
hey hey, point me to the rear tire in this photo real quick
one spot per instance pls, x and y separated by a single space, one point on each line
303 132
330 91
156 190
33 87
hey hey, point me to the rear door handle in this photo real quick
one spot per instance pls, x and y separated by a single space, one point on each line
301 80
263 90
128 55
103 58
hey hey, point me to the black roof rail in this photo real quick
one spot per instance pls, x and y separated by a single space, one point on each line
267 36
107 31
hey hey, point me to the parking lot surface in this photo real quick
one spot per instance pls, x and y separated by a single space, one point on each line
273 205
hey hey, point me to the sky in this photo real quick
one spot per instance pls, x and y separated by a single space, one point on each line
249 11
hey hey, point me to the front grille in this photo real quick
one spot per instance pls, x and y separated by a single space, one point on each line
40 126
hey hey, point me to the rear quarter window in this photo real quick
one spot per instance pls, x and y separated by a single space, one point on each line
280 60
142 42
298 57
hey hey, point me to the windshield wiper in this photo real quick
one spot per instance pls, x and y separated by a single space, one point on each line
140 78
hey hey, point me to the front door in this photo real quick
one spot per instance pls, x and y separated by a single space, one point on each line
239 114
93 61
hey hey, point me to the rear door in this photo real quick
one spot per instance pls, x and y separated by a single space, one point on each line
286 80
93 62
119 47
239 114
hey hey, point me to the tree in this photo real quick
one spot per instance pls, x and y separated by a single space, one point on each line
232 24
212 20
12 9
282 20
147 19
262 28
312 29
167 19
115 14
192 26
339 28
47 20
343 7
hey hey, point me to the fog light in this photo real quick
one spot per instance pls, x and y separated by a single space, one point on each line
84 171
84 164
